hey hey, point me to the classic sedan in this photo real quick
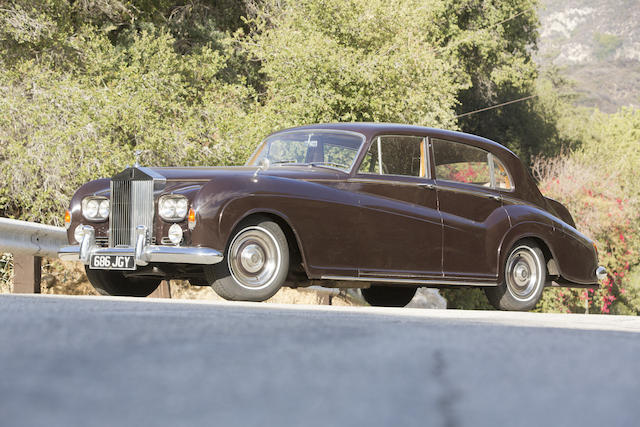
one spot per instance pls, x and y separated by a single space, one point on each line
383 207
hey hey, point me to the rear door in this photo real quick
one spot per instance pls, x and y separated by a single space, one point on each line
474 221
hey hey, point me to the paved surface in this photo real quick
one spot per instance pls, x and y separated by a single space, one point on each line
83 361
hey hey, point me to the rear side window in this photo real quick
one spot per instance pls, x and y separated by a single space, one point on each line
471 165
395 155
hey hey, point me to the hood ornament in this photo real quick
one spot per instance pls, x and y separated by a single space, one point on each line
137 154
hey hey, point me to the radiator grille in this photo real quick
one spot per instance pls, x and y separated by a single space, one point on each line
131 205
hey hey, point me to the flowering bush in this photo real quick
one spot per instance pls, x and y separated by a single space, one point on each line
596 197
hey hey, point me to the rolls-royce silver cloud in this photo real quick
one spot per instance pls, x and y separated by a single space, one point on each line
383 207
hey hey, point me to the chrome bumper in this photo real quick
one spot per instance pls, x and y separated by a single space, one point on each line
143 253
601 273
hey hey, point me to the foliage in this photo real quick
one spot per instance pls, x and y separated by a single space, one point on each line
83 84
496 48
6 273
606 45
350 61
466 298
67 125
632 292
599 186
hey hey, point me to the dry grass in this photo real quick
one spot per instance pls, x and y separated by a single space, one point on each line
68 278
6 273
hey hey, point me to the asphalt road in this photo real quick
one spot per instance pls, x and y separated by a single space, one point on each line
84 361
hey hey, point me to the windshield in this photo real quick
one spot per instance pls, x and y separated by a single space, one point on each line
335 149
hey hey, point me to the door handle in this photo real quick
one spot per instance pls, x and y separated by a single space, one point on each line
428 186
494 197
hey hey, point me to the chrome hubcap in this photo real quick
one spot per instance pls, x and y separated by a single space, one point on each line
254 258
523 273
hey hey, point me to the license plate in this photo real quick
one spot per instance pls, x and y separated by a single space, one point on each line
112 262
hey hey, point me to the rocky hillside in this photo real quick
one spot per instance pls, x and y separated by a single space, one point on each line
597 45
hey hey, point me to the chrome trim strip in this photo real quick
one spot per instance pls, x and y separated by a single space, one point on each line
492 176
409 281
469 191
497 157
183 255
427 157
601 273
151 253
159 180
421 181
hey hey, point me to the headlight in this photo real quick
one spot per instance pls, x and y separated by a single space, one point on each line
173 207
95 208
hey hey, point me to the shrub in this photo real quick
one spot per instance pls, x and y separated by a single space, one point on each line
64 128
606 45
596 198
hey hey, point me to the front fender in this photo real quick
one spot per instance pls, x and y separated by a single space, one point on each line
98 187
317 212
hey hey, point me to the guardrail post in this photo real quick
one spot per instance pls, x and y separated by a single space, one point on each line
27 271
162 291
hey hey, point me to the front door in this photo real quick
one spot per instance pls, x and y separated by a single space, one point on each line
400 229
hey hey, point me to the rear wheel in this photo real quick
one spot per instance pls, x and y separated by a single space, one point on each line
525 275
256 263
114 283
388 296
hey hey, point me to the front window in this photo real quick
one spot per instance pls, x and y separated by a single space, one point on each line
395 155
337 149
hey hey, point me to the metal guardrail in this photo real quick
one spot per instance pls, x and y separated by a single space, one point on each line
29 241
30 238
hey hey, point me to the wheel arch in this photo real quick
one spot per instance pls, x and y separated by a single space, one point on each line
513 237
296 252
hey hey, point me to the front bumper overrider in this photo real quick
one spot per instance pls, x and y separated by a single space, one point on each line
144 253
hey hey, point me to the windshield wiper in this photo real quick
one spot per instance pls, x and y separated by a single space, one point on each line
288 162
329 164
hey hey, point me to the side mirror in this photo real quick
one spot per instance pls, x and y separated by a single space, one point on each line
263 166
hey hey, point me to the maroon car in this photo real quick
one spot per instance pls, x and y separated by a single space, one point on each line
382 207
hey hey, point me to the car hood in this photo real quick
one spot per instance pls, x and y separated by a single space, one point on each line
199 174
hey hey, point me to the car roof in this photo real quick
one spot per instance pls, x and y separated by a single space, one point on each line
370 129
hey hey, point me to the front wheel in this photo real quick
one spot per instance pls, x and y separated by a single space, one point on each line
107 282
525 275
388 296
256 264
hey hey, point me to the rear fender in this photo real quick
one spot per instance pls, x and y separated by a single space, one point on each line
573 254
